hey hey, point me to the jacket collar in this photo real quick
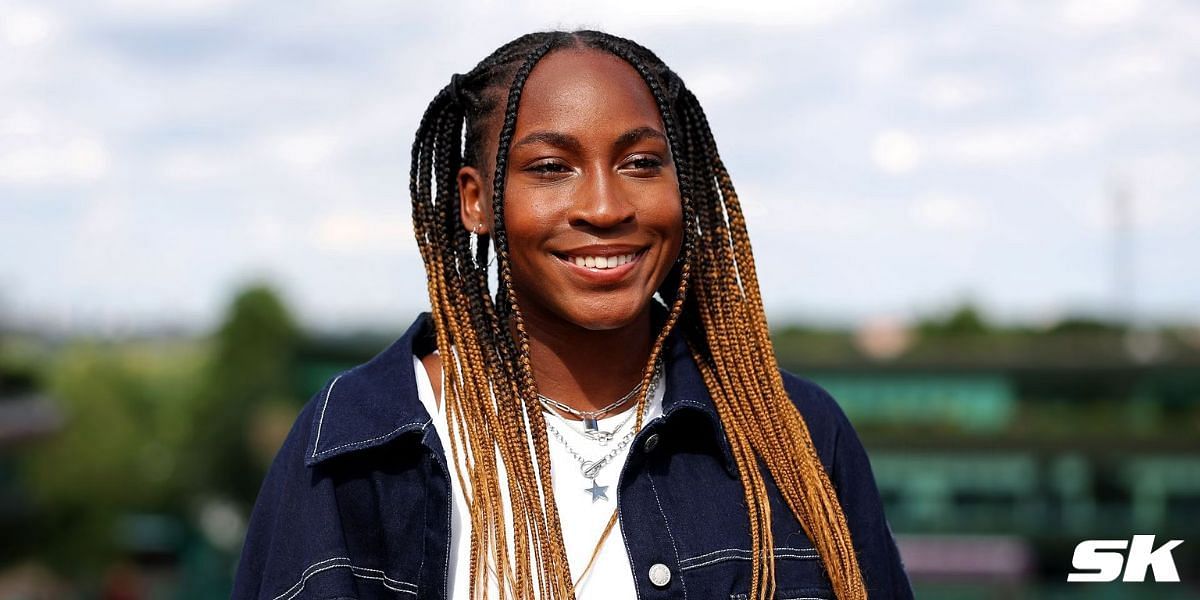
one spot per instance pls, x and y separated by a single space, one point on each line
375 402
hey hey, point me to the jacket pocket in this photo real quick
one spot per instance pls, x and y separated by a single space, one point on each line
725 574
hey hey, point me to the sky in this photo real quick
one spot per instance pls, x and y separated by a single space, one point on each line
894 158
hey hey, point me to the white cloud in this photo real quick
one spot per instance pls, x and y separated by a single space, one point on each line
884 59
188 165
1094 14
945 212
304 148
105 218
20 123
1162 188
788 213
895 151
1009 143
24 26
27 161
953 92
723 83
175 10
362 233
803 14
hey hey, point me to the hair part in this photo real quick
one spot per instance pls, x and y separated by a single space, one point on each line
712 293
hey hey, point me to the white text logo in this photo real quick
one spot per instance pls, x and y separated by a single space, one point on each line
1101 560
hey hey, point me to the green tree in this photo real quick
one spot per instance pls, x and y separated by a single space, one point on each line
117 452
247 380
155 427
962 321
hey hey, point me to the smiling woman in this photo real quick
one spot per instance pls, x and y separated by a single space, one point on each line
591 180
621 373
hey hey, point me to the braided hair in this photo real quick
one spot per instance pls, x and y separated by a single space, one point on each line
712 294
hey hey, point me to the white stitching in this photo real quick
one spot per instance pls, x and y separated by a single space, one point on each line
745 596
708 554
449 506
383 576
725 558
624 538
719 553
321 421
305 574
731 554
425 514
305 581
620 513
744 551
388 582
802 556
362 442
654 488
711 562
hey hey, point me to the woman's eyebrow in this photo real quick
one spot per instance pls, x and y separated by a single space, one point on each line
637 134
571 143
553 138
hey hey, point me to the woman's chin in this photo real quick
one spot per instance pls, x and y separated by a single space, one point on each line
608 315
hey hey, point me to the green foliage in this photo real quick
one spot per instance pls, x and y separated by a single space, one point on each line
118 452
157 428
964 320
1080 324
249 375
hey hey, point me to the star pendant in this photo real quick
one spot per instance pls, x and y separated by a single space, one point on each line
598 491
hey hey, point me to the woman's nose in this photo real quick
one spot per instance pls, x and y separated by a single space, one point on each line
601 203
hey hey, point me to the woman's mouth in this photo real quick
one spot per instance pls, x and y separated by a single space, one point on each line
606 263
602 262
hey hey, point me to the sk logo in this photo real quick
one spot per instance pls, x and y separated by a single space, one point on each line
1101 560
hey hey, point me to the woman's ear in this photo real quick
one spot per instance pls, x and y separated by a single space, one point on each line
475 209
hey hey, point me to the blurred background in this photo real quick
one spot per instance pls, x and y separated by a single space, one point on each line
976 224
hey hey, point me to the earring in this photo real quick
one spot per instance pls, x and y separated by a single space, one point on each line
476 228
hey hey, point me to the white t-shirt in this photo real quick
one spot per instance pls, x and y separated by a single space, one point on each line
583 519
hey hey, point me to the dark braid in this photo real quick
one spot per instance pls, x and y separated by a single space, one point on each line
712 293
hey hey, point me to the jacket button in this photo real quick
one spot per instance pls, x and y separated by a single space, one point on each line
649 445
660 575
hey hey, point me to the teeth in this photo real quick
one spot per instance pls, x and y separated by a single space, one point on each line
602 262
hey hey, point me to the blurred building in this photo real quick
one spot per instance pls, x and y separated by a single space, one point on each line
997 451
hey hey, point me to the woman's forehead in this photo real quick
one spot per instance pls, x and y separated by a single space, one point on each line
586 91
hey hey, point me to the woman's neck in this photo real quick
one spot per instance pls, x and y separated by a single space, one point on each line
587 369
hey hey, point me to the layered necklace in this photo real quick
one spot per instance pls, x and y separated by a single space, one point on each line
591 468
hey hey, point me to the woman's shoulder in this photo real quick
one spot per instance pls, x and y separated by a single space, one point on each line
367 405
815 403
829 427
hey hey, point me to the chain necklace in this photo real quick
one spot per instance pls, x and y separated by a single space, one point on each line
596 435
590 469
590 417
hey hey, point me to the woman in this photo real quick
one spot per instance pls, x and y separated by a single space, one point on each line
611 421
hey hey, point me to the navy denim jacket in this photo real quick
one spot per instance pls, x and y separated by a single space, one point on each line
357 503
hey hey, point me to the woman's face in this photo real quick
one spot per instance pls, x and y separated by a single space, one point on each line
592 206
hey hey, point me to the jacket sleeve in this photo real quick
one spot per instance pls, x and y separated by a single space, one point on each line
879 558
294 521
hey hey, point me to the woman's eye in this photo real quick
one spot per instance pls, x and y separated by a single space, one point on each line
548 168
644 164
